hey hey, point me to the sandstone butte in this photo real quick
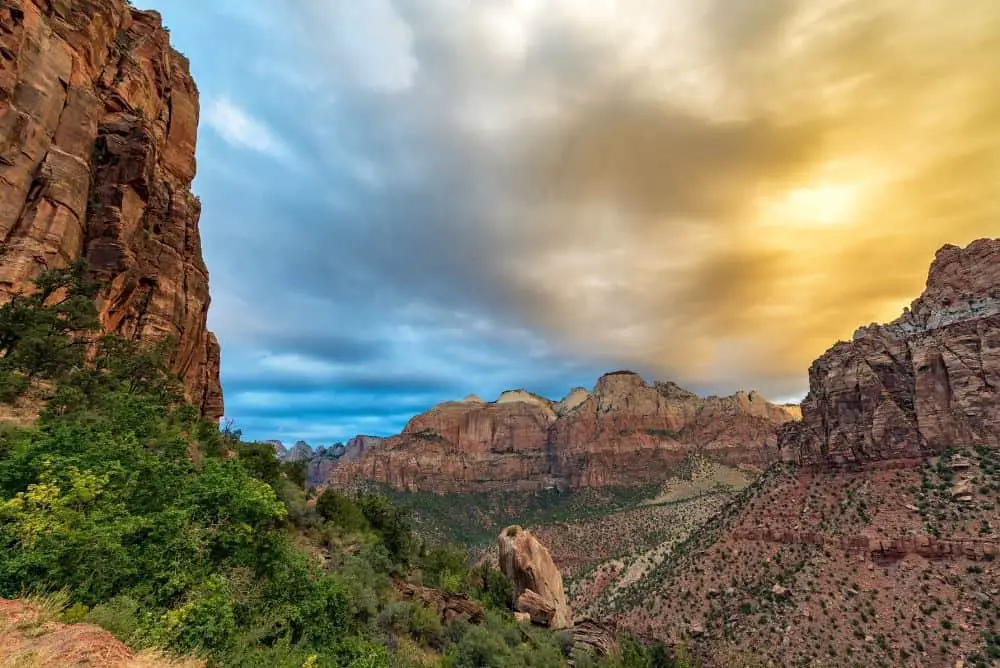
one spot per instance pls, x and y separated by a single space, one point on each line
924 382
98 121
623 433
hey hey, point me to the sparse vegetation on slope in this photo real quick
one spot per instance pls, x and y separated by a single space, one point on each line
475 519
836 568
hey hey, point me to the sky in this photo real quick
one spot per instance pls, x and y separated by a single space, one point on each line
407 201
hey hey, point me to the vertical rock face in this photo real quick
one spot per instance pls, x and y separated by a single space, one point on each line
926 381
538 586
625 432
98 122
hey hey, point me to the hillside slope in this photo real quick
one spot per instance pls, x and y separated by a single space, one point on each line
876 544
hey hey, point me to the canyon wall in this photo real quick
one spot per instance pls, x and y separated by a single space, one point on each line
927 381
623 433
98 122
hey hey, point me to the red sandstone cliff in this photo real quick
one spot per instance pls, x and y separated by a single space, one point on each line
926 381
624 433
98 121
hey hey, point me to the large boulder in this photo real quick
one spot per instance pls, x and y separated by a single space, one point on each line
538 587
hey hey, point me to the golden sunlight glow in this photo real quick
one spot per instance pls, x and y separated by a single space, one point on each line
819 204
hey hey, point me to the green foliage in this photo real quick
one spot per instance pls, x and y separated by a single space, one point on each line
170 534
295 472
260 461
12 384
496 591
499 643
392 524
41 333
340 510
475 519
445 568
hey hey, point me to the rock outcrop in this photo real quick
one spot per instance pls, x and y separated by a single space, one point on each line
623 433
538 586
449 607
299 452
98 122
924 382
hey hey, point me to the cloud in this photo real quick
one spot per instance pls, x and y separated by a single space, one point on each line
240 129
368 39
525 193
851 140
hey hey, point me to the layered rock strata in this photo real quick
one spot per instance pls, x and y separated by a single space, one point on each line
625 432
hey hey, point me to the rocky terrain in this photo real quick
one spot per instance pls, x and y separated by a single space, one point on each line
538 586
926 381
876 542
625 432
98 122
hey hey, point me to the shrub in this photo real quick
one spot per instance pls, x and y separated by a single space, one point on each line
445 568
340 510
495 591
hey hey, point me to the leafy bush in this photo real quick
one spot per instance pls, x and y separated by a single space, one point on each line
340 510
495 590
445 568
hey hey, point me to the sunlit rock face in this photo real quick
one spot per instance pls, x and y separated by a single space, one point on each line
98 122
625 432
924 382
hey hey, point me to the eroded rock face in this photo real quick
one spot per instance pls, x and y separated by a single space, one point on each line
625 432
538 587
922 383
98 122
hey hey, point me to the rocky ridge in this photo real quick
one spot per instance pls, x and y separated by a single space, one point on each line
625 432
924 382
98 124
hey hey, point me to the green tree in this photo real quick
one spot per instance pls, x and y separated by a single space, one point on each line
260 461
296 472
42 332
392 524
340 510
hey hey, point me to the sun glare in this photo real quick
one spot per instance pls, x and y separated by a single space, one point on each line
821 205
